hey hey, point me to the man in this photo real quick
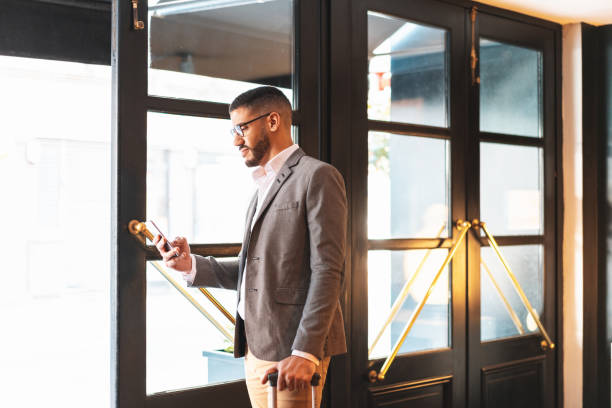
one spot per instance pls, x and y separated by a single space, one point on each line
290 270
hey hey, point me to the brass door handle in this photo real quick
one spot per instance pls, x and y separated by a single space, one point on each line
373 376
136 227
401 298
547 343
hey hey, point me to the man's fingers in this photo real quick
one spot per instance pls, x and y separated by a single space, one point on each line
167 256
160 244
271 370
290 382
282 384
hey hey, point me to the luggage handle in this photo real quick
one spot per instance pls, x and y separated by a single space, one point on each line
273 382
273 379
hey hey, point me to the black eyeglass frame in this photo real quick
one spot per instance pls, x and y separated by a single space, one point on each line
237 130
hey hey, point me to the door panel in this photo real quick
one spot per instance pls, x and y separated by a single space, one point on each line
430 148
173 158
513 139
434 393
526 376
408 130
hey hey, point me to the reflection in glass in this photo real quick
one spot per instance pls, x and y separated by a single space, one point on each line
408 186
387 273
510 89
527 263
408 71
191 162
183 348
215 50
511 189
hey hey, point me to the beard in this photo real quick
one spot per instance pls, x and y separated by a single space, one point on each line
259 150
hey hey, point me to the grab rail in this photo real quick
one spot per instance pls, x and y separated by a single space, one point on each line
136 227
374 376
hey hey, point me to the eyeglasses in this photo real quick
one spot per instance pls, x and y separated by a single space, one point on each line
238 129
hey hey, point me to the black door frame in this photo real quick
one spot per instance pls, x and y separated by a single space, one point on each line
131 103
597 133
495 355
347 127
438 364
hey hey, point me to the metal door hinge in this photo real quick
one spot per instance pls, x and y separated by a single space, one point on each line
137 24
473 54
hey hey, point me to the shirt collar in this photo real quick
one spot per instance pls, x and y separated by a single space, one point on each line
274 164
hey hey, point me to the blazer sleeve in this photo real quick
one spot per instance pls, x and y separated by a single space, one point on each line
326 209
211 272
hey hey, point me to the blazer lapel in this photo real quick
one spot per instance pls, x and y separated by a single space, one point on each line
281 177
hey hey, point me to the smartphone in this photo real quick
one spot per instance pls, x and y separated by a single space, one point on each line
168 246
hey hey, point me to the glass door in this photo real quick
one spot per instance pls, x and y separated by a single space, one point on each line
176 68
512 191
447 142
408 137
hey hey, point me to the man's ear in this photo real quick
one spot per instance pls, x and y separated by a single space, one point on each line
274 121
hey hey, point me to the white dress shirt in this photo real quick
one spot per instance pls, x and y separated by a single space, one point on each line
263 177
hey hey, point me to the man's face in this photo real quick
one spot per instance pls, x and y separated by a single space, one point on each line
255 143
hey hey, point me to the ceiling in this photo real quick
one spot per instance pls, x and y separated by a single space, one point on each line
596 12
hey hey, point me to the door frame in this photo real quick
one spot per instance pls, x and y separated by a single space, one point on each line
347 123
131 102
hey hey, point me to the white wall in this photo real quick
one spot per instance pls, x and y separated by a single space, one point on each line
572 219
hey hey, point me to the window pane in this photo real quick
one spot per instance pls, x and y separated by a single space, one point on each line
214 50
510 89
511 189
388 271
197 183
55 217
408 186
183 348
408 71
527 264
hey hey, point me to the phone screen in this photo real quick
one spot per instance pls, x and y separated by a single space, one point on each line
168 246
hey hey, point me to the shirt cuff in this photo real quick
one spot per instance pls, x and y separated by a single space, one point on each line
305 355
190 276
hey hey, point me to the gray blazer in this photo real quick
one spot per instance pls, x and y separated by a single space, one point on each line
295 268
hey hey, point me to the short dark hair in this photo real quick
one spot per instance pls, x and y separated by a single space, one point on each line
261 96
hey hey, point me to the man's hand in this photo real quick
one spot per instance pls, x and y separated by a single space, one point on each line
182 262
294 372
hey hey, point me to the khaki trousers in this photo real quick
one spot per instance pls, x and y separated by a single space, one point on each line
255 368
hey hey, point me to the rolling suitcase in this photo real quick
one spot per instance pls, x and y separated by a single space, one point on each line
272 381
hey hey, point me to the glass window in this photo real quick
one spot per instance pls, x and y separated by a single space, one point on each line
183 348
408 71
510 89
408 186
197 183
388 272
215 50
511 189
55 172
527 264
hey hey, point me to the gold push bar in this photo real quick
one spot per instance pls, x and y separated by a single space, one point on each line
513 316
403 295
194 302
373 376
548 342
136 227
